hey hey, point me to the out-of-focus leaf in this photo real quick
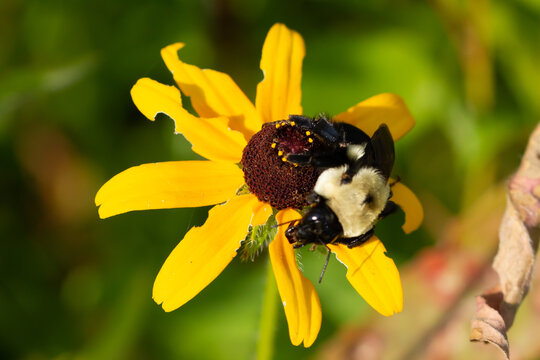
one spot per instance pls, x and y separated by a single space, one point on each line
124 323
62 176
17 86
516 47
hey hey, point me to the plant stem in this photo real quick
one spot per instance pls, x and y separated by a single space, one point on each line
265 345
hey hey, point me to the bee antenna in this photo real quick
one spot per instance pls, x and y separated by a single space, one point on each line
285 223
325 264
398 179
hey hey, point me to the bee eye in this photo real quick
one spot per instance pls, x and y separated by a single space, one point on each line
368 199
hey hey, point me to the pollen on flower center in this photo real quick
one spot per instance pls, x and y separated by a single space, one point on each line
267 172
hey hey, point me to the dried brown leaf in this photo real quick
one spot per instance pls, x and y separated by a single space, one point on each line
489 325
514 262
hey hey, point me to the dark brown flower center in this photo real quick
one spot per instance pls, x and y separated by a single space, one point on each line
267 172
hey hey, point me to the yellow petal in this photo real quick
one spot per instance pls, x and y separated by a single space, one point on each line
211 138
166 185
279 94
203 253
373 275
383 108
411 206
300 300
261 213
212 93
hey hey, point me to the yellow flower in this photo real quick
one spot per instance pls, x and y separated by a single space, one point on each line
227 121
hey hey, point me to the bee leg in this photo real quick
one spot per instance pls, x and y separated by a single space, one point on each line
303 122
271 123
299 159
276 123
390 208
325 161
357 240
398 179
325 130
293 120
320 127
321 161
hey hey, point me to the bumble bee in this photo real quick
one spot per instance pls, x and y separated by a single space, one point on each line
352 192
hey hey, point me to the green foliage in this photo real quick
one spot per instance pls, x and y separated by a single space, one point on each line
257 239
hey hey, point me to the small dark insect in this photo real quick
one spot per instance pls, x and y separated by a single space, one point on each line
352 193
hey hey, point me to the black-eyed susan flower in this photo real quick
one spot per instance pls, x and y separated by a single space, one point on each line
229 132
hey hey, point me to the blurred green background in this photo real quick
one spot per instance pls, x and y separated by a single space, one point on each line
74 286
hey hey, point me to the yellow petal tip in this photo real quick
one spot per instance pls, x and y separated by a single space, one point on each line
203 253
98 200
390 309
411 206
153 98
298 295
373 274
171 50
163 304
386 108
279 94
102 214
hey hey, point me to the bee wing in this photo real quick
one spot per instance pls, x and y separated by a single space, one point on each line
383 150
352 134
